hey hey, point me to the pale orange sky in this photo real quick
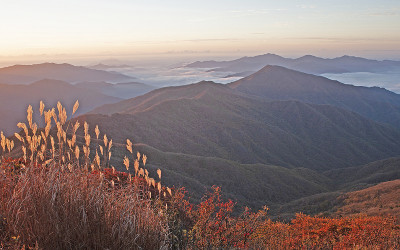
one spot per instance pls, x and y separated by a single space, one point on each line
101 28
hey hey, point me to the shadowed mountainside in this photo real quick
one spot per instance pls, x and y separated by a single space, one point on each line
345 183
366 175
279 83
239 182
26 74
205 122
210 119
14 99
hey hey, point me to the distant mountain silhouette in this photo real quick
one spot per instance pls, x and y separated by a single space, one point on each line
120 90
102 66
14 100
279 83
26 74
309 64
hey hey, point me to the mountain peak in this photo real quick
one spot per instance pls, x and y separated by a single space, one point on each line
308 57
270 76
273 69
195 91
279 83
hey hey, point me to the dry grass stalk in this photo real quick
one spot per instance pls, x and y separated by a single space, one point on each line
136 166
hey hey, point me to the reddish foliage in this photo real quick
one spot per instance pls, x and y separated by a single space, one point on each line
331 233
211 224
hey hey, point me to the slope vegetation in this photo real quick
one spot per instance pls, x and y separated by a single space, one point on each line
278 83
378 200
207 133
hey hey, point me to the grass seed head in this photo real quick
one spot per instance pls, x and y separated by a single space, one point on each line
19 137
144 160
105 140
3 141
136 166
86 128
77 152
97 132
29 116
126 162
159 173
76 106
129 146
41 108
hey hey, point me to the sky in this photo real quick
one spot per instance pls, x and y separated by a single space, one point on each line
113 28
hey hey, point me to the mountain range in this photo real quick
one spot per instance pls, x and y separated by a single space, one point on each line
275 137
102 66
278 137
309 64
26 74
21 85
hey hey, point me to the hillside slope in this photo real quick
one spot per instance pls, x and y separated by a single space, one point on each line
381 199
239 182
366 175
209 119
278 83
14 100
121 90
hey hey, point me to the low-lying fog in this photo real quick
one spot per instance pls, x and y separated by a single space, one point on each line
178 74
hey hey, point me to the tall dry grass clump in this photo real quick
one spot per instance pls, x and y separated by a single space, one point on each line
74 210
58 196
